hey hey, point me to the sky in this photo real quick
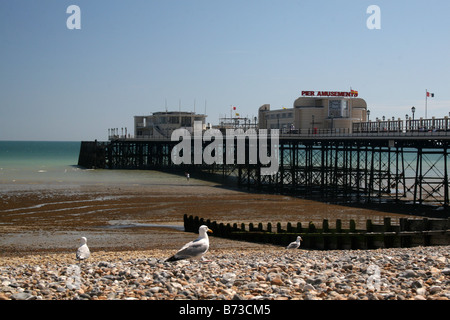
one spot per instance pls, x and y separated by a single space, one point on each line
137 57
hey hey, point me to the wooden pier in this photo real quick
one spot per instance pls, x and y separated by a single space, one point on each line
401 167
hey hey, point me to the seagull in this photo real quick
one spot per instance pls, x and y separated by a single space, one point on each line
295 244
194 249
83 251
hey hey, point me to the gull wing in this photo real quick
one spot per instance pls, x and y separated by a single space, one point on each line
193 249
83 252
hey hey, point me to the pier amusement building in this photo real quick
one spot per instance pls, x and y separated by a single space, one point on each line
327 146
315 111
160 125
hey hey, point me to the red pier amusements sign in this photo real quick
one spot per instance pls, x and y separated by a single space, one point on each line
351 93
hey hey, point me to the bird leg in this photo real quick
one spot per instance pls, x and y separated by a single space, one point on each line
203 260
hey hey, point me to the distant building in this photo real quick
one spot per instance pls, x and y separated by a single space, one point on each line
316 111
160 125
237 122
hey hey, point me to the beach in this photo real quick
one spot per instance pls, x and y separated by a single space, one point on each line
140 217
47 204
249 274
133 222
133 229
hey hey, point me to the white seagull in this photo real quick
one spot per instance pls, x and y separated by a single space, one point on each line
295 244
194 249
83 251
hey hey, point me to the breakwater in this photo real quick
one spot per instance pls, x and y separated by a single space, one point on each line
409 233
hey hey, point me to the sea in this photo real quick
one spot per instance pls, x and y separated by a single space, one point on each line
55 163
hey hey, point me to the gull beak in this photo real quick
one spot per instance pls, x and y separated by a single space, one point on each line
209 230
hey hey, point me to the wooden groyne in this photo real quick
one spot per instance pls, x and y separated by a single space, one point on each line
409 233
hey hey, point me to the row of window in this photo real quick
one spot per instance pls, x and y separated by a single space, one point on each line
281 115
185 121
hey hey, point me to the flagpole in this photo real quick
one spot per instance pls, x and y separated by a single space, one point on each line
426 102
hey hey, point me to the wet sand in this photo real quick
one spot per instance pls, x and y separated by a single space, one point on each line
140 217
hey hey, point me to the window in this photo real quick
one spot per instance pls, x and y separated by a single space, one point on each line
338 108
186 121
344 105
174 119
162 120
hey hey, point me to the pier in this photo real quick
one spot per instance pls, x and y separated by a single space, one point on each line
401 164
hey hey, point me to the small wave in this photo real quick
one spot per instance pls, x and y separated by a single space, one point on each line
130 224
100 198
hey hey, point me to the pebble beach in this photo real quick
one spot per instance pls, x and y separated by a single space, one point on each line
269 273
131 231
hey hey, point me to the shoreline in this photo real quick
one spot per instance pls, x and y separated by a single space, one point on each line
138 217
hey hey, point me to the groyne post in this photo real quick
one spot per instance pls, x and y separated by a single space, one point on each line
409 232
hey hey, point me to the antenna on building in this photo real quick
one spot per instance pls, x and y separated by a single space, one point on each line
166 104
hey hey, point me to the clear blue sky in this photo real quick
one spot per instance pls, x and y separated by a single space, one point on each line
131 56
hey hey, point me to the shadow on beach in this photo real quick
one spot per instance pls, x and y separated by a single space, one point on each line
138 215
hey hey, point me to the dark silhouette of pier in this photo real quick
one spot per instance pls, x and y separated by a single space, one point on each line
407 167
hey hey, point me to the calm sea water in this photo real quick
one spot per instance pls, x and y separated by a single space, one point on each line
55 163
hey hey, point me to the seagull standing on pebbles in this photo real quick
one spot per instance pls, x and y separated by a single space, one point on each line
83 251
194 249
295 244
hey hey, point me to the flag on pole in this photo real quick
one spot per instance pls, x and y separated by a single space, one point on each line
234 108
428 95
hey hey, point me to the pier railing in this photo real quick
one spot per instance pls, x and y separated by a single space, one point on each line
403 126
323 133
408 233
